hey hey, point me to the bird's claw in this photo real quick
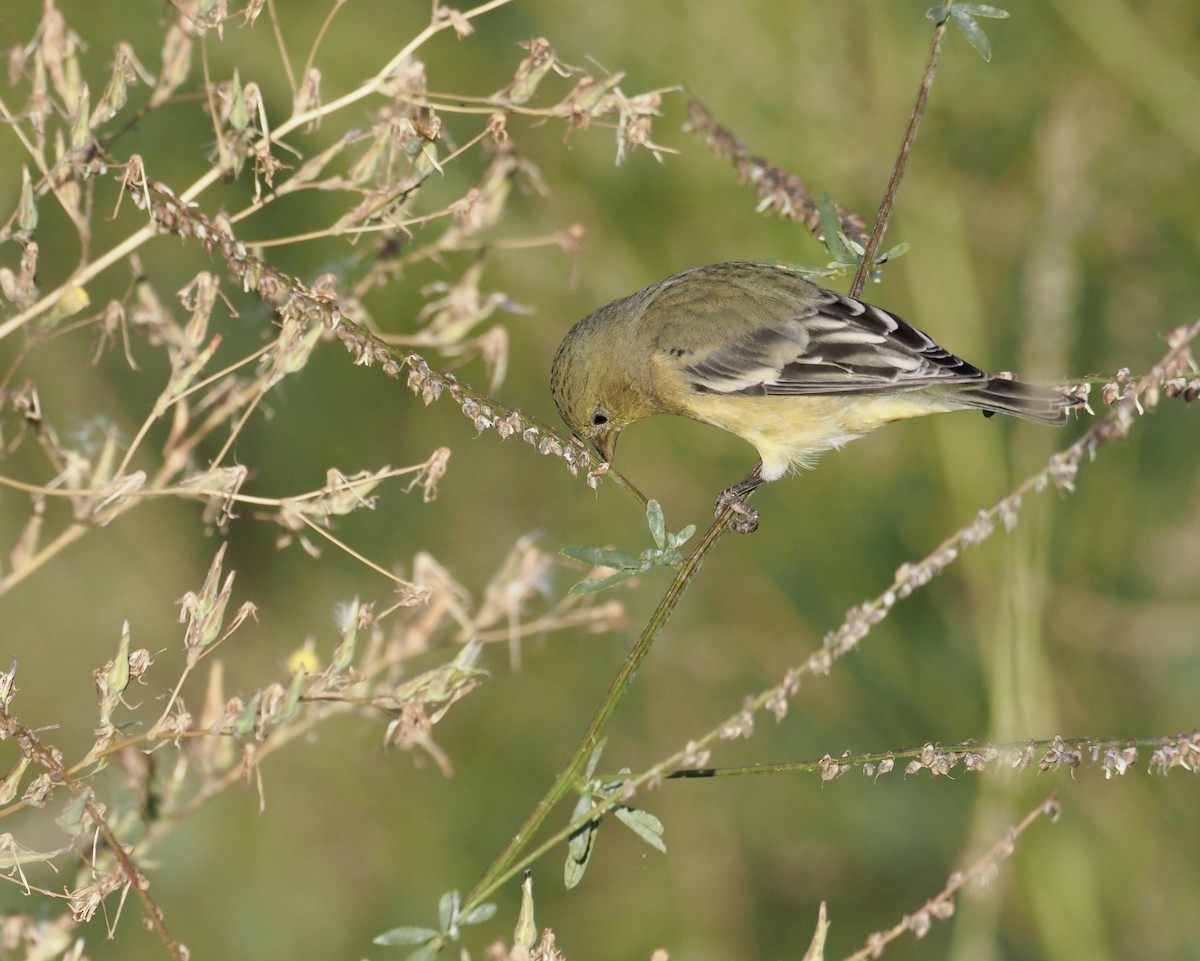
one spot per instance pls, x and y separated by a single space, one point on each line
745 519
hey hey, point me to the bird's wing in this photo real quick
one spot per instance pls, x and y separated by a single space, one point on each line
833 345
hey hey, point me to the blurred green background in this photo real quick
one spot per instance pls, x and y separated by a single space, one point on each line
1051 208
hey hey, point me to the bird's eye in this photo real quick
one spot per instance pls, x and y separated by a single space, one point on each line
599 419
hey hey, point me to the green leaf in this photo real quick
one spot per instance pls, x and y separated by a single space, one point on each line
581 844
594 760
811 271
246 722
448 910
983 10
601 557
663 553
972 31
425 953
477 915
807 269
658 524
891 254
685 535
644 824
573 871
592 586
831 227
406 935
72 814
291 701
938 14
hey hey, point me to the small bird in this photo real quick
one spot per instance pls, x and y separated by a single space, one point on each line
758 350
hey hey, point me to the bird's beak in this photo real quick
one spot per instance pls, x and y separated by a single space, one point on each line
606 444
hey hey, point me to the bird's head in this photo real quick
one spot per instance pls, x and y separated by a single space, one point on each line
600 382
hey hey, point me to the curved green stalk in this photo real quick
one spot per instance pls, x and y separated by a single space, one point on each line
504 866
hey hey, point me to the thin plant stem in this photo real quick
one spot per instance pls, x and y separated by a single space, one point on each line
502 868
284 59
941 905
893 188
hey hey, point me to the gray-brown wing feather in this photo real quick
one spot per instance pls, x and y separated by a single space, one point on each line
838 346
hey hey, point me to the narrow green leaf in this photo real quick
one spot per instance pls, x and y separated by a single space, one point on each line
658 524
831 269
685 535
426 953
577 843
573 871
891 253
601 557
406 935
477 915
27 212
592 586
938 14
73 811
831 227
468 657
246 722
973 32
581 844
644 824
983 10
807 269
594 761
448 909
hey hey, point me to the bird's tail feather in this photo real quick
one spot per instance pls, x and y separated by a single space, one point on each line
1045 405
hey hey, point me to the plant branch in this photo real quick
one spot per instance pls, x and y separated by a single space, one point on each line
504 867
941 906
893 187
49 759
92 269
1114 754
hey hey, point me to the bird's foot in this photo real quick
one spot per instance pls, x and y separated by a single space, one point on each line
745 519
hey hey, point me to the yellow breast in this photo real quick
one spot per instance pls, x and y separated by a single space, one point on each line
793 431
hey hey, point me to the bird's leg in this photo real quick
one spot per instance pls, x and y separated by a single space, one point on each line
746 520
